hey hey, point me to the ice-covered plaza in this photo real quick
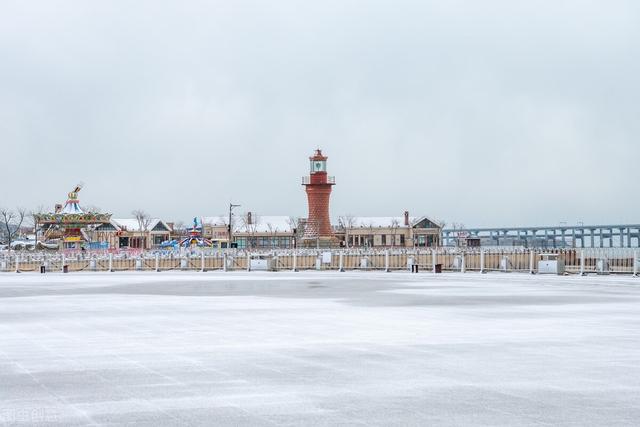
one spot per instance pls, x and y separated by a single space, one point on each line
314 348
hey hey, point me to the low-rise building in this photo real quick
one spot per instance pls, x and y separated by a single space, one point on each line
256 231
121 233
216 230
251 231
401 231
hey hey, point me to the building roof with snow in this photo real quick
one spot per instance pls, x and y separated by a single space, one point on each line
386 222
265 224
214 221
133 225
258 223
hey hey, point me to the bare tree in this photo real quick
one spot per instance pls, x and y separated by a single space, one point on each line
34 216
370 238
293 224
253 228
222 219
11 223
273 231
459 233
250 225
395 224
144 221
347 222
179 229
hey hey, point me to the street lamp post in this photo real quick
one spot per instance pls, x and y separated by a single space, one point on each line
231 206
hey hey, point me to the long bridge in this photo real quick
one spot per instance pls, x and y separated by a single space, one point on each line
561 236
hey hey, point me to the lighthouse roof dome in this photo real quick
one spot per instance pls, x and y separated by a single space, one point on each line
318 155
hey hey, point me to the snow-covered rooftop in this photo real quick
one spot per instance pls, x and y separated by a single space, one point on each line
380 221
132 224
215 221
260 223
265 224
376 221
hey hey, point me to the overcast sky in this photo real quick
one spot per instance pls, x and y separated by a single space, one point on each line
486 112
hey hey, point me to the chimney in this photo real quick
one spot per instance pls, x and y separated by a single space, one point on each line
406 218
249 218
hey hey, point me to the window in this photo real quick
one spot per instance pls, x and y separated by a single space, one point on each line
430 241
285 242
402 240
318 166
384 240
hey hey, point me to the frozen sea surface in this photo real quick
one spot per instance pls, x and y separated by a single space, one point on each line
318 349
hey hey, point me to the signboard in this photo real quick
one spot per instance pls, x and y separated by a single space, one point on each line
326 257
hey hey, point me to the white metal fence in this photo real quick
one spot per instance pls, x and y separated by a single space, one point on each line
575 261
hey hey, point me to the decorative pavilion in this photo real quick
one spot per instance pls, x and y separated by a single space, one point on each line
68 222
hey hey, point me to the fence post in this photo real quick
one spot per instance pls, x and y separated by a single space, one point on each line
482 261
202 262
386 261
64 261
157 262
635 263
531 261
341 262
463 267
582 273
224 261
248 261
17 264
295 261
110 263
433 260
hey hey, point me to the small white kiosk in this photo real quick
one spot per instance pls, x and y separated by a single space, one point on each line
550 264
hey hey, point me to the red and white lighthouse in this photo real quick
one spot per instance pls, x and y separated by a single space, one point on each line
318 185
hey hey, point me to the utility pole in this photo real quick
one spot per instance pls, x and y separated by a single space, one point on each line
231 206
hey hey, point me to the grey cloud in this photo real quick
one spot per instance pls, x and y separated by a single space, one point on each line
486 113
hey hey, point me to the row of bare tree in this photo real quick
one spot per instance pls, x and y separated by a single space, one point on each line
10 224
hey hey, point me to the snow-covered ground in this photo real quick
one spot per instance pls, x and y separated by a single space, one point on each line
319 349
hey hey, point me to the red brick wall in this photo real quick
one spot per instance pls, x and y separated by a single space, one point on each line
319 222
